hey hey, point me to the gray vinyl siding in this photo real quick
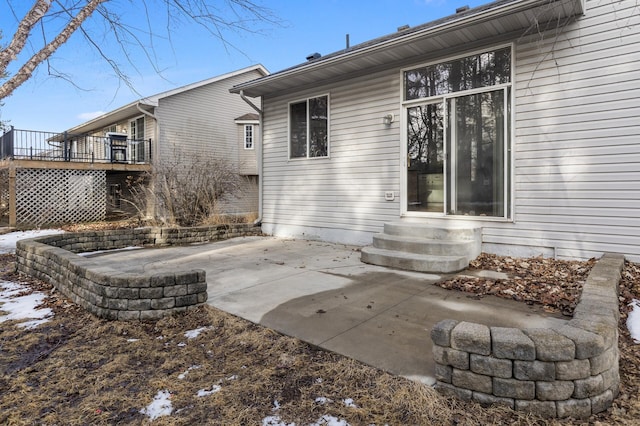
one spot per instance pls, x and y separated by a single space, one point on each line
247 159
200 121
576 147
344 192
577 138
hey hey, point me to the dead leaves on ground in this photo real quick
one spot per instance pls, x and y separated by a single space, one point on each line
555 284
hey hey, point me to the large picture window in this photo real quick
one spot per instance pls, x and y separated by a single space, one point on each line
458 115
309 128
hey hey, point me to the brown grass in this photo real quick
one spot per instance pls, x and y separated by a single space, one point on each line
79 370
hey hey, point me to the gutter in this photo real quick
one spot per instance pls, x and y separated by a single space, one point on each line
259 153
474 16
157 129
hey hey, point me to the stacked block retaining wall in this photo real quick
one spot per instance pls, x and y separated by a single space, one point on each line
105 291
570 371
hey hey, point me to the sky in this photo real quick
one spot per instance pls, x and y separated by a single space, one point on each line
302 27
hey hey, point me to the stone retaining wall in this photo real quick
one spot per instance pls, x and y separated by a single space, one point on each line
105 291
571 371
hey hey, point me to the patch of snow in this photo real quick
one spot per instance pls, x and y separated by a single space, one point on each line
180 345
207 392
192 334
322 400
181 376
21 308
91 253
348 402
160 406
132 340
276 405
328 420
319 380
275 421
633 321
8 241
234 377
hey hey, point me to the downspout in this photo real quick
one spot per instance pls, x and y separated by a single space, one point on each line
259 153
153 156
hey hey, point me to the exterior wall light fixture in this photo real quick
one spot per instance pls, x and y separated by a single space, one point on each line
388 119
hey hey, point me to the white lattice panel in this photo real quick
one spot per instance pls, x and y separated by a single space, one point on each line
60 196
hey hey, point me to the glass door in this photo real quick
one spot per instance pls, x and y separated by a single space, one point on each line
425 158
476 143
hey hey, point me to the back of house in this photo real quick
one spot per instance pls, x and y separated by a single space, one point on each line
519 120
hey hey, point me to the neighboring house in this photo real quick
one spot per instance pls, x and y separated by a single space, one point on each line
198 120
520 119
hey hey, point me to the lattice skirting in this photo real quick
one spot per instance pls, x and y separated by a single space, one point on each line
46 196
4 196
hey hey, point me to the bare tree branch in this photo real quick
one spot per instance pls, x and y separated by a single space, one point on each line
25 72
22 34
59 19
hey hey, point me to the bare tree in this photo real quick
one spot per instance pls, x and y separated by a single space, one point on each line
185 192
49 24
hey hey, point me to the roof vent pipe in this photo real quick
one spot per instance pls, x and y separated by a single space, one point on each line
347 39
403 27
462 9
313 56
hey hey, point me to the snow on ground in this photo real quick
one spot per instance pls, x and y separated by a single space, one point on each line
192 334
8 241
160 406
633 321
17 306
207 392
325 420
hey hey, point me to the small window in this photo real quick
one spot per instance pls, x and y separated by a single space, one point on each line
248 136
309 128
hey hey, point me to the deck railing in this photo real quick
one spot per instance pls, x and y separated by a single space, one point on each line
48 146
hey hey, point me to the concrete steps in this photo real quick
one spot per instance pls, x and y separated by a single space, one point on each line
420 247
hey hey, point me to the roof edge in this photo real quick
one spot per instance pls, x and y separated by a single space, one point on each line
460 20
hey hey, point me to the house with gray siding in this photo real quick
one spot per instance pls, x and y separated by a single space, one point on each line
198 120
510 128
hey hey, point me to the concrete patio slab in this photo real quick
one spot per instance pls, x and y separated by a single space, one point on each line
322 294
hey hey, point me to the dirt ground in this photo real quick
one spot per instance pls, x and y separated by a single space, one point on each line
80 370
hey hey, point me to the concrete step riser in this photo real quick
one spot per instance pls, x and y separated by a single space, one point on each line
432 247
430 232
434 265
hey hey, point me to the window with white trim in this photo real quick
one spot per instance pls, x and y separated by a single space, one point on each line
248 136
458 137
309 128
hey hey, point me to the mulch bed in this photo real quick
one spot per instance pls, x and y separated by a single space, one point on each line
554 284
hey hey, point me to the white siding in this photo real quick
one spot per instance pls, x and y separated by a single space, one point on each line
576 148
340 198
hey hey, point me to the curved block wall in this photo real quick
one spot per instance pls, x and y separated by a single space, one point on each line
571 371
109 293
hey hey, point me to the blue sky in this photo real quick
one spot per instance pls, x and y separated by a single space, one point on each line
53 104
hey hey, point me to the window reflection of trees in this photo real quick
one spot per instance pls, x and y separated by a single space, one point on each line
318 136
425 138
471 72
